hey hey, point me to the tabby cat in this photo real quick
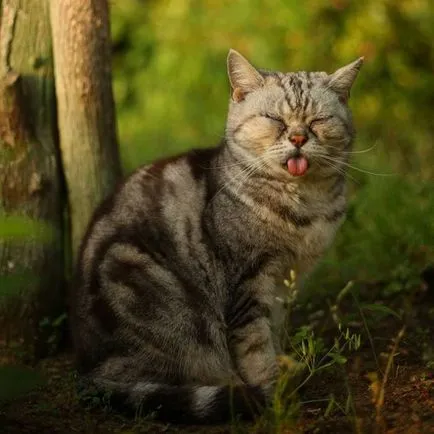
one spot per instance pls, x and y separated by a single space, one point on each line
178 272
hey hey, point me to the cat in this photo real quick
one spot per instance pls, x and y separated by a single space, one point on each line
178 272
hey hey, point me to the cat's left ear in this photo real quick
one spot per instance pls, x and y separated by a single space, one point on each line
342 80
243 76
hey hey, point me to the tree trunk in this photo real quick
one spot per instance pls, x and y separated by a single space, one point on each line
30 182
86 116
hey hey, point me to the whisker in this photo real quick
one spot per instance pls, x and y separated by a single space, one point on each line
246 178
341 171
338 163
363 151
267 157
239 163
359 169
251 165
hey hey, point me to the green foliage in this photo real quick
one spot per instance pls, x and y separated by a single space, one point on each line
170 76
387 236
380 310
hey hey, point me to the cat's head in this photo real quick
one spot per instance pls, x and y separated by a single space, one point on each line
295 124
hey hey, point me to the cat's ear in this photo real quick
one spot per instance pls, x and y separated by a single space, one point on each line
342 80
244 78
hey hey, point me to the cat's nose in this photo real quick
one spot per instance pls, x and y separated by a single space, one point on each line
298 140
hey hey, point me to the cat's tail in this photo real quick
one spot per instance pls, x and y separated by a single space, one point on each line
183 404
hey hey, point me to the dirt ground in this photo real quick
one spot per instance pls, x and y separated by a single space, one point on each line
407 407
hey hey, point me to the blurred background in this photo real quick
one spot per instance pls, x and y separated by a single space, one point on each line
172 91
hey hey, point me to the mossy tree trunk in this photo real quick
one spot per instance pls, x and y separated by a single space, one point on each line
86 116
30 180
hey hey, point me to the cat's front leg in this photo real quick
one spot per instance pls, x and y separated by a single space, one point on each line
251 345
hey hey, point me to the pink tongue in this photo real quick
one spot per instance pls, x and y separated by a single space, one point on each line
297 166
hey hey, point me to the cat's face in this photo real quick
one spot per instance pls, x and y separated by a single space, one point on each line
296 124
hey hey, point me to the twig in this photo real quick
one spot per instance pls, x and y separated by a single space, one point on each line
380 395
365 324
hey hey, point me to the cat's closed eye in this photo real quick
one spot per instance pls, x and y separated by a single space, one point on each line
319 121
274 118
277 122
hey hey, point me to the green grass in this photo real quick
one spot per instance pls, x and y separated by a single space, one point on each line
388 236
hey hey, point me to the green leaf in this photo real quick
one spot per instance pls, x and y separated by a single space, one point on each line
381 308
330 406
45 322
59 320
16 381
338 358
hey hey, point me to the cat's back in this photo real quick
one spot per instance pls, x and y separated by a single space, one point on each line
148 215
163 195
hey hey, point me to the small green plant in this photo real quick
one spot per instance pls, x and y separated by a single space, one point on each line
311 351
311 356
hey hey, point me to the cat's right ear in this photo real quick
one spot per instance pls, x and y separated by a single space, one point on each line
244 78
342 80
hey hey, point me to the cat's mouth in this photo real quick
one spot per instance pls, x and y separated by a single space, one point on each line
297 165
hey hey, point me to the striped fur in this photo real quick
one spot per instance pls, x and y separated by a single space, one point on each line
173 304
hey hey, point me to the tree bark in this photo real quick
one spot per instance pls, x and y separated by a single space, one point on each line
86 116
30 181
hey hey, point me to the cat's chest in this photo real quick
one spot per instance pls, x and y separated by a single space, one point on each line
309 231
312 240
